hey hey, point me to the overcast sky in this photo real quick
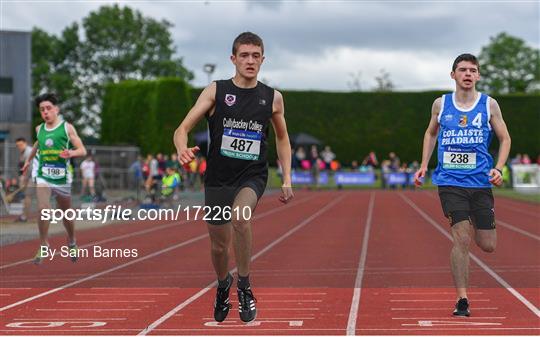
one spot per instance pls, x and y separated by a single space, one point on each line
316 44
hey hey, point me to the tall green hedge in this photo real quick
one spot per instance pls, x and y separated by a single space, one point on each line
145 113
522 116
355 123
171 104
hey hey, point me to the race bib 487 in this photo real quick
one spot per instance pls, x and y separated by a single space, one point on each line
241 144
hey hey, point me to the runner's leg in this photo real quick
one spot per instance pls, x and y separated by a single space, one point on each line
242 235
220 241
43 193
64 203
459 256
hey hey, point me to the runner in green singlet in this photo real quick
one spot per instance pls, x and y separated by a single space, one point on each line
57 141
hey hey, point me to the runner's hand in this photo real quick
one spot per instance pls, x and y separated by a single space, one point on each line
495 177
65 154
25 168
420 174
286 194
186 155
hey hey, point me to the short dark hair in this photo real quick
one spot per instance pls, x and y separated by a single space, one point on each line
466 57
247 38
20 139
48 96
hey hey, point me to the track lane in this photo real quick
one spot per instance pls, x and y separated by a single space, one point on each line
301 284
408 287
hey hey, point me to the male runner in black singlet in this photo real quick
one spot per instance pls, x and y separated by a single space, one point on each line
238 111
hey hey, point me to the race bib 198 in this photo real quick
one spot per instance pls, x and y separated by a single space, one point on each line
459 160
52 171
241 144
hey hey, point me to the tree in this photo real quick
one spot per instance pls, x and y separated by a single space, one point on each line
116 44
508 65
384 83
355 83
54 68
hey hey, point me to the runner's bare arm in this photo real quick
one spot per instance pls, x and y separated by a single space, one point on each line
80 150
430 139
205 104
283 144
501 131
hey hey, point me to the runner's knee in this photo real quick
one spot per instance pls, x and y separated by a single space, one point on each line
486 240
219 248
461 233
462 241
240 225
488 247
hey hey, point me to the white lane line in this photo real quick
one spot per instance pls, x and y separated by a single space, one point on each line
135 301
451 323
122 294
87 309
353 313
5 294
255 329
484 266
286 309
437 293
114 238
441 300
292 301
203 291
447 317
288 294
518 230
122 288
445 308
93 276
515 209
68 319
292 318
149 256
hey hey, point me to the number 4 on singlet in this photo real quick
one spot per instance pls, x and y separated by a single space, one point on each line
477 121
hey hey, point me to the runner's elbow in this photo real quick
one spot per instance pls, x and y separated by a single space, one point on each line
180 131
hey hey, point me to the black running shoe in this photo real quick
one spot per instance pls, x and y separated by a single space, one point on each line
222 303
462 308
246 305
40 255
73 252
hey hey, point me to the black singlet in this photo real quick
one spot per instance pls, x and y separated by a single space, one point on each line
238 134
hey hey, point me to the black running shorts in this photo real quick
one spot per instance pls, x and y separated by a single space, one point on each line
473 204
217 198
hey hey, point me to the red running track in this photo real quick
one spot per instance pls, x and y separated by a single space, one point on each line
330 263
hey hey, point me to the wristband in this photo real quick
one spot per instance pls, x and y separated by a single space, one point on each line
500 171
